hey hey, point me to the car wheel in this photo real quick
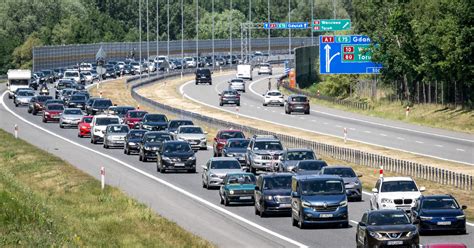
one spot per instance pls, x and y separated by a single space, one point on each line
359 198
44 120
366 243
265 104
226 201
61 126
144 158
238 104
210 83
345 224
256 210
16 104
294 222
34 112
301 224
29 111
79 135
253 170
221 104
127 151
162 170
222 200
192 170
106 146
140 157
282 105
306 112
262 213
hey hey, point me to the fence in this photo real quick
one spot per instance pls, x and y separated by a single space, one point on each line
404 167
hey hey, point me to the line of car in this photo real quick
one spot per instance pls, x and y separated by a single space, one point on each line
294 181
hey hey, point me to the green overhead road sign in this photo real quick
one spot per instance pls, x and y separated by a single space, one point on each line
331 25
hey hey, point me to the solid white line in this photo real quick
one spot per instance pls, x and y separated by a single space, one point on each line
461 150
373 123
400 138
439 145
419 142
159 180
367 132
325 123
384 135
351 128
338 126
321 133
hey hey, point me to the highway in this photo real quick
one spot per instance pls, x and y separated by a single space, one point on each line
179 196
396 135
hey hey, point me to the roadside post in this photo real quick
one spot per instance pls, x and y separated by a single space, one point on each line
237 111
102 178
407 111
16 131
381 171
100 93
345 135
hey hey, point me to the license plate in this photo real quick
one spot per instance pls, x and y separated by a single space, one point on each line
444 223
231 101
245 197
325 215
285 205
193 143
299 107
395 242
179 164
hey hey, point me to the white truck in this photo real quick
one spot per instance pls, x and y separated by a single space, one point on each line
17 79
245 72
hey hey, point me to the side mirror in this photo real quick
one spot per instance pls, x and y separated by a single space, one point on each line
422 189
248 148
463 207
295 194
295 169
362 223
204 167
257 188
359 175
215 139
374 190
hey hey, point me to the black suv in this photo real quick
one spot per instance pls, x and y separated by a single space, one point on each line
176 155
98 106
154 122
132 141
292 156
151 143
203 76
273 194
77 101
37 104
381 228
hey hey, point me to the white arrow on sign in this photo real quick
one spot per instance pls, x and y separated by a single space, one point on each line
328 57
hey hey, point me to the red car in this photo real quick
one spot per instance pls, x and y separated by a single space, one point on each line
52 112
445 245
133 118
221 138
84 126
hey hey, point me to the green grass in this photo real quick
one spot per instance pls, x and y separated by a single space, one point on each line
46 202
431 115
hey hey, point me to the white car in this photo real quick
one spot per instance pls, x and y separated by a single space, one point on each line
85 67
73 75
265 68
395 193
193 135
190 62
273 97
88 76
99 124
237 84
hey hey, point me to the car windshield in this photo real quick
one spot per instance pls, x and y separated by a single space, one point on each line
204 72
118 129
322 187
177 147
72 112
26 93
87 119
399 186
440 203
238 143
78 97
299 99
342 172
102 103
157 137
300 155
230 135
311 165
268 145
55 107
274 93
228 164
241 179
136 134
388 218
106 121
176 124
155 118
236 81
230 92
137 114
122 110
278 182
71 74
190 130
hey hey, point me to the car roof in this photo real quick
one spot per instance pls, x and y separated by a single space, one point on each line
236 139
115 125
316 177
239 173
72 109
223 159
157 132
176 142
138 131
188 126
338 167
276 174
391 179
180 120
105 116
230 131
299 150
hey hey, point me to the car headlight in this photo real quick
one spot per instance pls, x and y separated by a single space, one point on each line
46 113
203 139
343 204
192 158
229 154
461 217
269 197
386 200
375 235
147 148
213 175
306 204
132 143
425 218
231 192
412 233
356 183
257 157
165 158
146 126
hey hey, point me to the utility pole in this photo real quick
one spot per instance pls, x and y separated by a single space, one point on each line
268 7
140 34
168 35
312 18
147 39
249 30
182 38
197 33
213 55
289 30
157 27
230 29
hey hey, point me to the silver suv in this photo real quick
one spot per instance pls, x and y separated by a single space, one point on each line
264 153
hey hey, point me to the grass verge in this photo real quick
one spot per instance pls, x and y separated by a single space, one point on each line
46 202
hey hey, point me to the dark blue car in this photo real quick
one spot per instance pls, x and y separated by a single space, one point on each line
236 148
439 213
273 193
132 141
154 122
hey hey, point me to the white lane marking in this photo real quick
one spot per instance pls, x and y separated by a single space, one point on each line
354 222
265 109
257 107
400 138
313 120
367 132
384 135
325 123
159 180
439 145
338 126
419 142
316 132
371 122
461 150
282 113
273 111
351 128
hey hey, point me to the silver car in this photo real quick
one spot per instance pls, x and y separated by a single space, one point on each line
193 135
23 98
216 169
114 135
70 117
352 183
237 84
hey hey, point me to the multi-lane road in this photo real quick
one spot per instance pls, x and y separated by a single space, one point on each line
396 135
179 196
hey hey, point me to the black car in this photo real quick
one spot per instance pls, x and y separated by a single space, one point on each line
98 106
90 101
151 143
77 101
63 84
308 167
37 104
439 213
48 76
154 122
132 141
110 72
236 147
229 97
174 124
203 76
386 228
273 194
176 155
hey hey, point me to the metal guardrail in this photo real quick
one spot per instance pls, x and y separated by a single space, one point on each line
350 155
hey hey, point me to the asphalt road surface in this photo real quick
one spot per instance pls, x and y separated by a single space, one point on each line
179 196
431 142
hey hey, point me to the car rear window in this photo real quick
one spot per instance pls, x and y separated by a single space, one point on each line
175 124
274 93
268 145
299 99
102 103
55 107
87 119
230 135
300 155
106 121
119 129
311 165
342 172
138 114
238 143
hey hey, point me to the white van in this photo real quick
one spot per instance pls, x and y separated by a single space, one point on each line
17 79
73 75
244 71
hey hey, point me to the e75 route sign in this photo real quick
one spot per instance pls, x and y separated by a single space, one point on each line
346 54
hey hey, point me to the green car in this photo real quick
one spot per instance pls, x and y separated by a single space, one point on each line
238 187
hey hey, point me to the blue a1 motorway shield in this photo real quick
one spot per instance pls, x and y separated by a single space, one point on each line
346 54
